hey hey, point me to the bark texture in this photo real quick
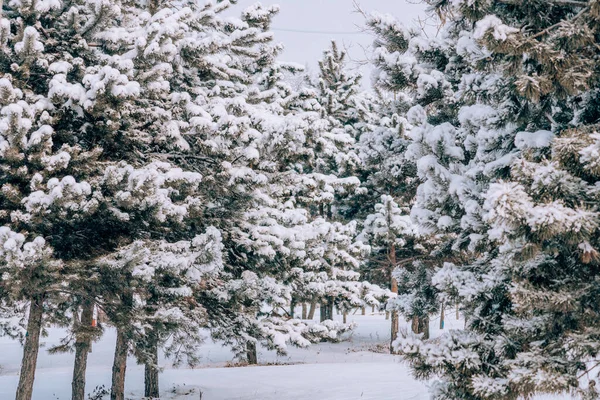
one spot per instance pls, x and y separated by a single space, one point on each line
251 353
82 349
311 312
151 386
31 348
327 309
117 391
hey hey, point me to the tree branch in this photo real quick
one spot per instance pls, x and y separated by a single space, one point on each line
184 157
576 3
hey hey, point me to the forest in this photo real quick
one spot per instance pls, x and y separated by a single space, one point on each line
165 177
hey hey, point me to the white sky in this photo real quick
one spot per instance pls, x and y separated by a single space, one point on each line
330 16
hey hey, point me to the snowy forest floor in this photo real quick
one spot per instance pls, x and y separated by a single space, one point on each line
358 368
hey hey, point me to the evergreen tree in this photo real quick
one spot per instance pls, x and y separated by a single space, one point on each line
338 88
517 200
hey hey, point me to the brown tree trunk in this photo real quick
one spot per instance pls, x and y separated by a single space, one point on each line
363 311
415 324
387 315
82 349
311 312
117 391
304 310
442 315
394 330
372 309
457 313
394 288
330 308
151 388
31 348
251 353
345 317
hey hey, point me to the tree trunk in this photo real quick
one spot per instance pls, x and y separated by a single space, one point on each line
457 313
151 388
363 311
394 330
251 353
117 391
387 315
372 309
82 349
424 327
345 316
394 288
323 312
311 312
292 306
304 310
442 316
31 348
415 324
326 310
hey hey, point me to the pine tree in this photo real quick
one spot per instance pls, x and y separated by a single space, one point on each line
338 88
524 219
388 230
71 170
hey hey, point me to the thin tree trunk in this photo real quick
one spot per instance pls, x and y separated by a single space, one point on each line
151 388
304 310
394 330
117 391
457 313
372 309
363 311
251 353
82 349
311 312
31 348
292 306
394 288
387 315
442 315
345 316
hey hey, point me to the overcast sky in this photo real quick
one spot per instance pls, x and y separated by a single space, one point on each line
306 27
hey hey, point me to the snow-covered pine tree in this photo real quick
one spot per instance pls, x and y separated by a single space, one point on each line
317 168
28 270
235 121
338 88
390 233
388 164
530 325
71 172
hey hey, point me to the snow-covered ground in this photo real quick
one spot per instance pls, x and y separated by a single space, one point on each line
353 369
